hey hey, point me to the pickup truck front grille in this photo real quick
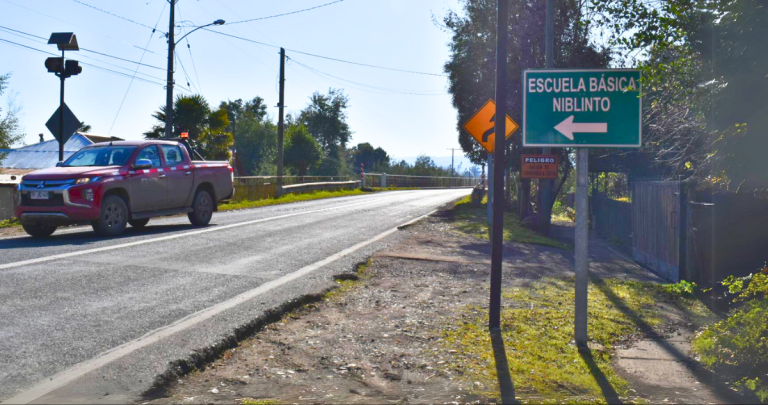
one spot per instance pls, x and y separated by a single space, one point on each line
54 200
46 184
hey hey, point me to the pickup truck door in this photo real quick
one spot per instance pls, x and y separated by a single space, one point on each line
148 186
180 176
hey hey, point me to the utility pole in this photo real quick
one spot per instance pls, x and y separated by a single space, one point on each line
497 232
281 121
546 186
453 171
169 79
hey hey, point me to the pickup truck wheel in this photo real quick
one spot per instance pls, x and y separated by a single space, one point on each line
114 217
39 230
139 223
202 207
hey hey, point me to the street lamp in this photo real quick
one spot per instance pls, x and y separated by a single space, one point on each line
169 80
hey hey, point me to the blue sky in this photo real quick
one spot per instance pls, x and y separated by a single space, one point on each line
394 33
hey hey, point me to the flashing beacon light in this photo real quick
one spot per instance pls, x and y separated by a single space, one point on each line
185 135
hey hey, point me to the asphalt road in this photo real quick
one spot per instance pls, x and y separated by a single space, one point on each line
89 319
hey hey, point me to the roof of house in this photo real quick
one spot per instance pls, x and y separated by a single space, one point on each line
46 154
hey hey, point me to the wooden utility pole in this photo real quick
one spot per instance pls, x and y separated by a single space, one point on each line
281 120
169 79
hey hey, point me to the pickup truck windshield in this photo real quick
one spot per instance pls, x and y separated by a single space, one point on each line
101 156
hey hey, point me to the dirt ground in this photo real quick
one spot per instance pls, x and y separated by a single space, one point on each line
378 340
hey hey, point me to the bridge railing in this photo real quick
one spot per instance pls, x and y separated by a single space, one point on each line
374 180
254 188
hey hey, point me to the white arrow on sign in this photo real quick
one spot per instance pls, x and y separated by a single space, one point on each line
568 127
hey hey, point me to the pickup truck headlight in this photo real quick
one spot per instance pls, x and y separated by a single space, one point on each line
86 180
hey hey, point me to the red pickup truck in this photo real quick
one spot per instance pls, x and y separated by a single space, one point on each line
111 185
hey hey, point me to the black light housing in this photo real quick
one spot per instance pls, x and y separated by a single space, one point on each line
54 65
72 68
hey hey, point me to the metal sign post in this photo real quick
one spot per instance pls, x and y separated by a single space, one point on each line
582 245
497 231
582 108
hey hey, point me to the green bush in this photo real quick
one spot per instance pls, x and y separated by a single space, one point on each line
684 288
738 345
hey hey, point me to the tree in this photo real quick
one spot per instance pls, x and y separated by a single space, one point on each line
9 122
326 119
84 128
207 129
372 158
704 65
472 63
257 145
235 110
257 107
301 149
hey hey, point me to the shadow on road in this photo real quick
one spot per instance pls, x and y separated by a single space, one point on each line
502 368
611 396
702 375
87 237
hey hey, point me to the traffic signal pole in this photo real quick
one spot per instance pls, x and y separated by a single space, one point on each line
497 230
61 109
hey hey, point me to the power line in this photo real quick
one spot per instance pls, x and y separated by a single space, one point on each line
81 56
85 49
381 89
367 65
135 72
329 58
84 63
284 14
185 74
115 15
199 87
79 26
249 24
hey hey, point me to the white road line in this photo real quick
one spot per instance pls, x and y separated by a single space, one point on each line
65 377
170 237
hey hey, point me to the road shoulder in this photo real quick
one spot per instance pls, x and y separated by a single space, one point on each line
411 330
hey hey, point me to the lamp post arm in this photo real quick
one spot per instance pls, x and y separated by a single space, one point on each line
185 35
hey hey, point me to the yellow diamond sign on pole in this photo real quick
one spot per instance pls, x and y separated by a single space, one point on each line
482 126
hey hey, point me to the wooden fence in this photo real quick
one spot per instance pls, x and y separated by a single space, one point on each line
612 220
656 212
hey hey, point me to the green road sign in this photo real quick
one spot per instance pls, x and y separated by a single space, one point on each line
582 108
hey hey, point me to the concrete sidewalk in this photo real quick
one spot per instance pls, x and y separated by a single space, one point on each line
660 366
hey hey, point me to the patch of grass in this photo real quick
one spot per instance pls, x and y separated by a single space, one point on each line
9 223
289 198
260 402
537 327
347 285
472 220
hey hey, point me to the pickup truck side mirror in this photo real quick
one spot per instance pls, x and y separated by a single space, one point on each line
59 164
142 164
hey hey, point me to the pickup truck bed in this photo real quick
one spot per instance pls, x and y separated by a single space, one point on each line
111 185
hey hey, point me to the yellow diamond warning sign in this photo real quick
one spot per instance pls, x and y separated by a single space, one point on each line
482 126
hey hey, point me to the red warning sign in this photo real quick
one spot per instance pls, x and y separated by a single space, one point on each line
539 166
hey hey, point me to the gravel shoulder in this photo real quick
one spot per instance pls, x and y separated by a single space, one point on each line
385 338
